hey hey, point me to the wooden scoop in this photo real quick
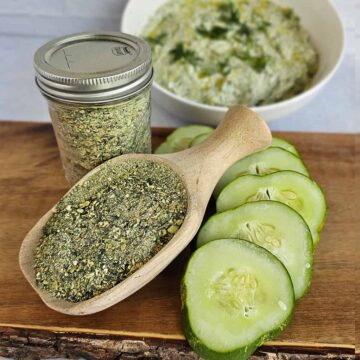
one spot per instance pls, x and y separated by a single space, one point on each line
239 134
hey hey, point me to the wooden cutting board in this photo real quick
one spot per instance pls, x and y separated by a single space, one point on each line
31 181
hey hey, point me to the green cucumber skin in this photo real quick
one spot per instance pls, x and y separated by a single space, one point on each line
169 145
204 129
224 181
285 144
187 132
321 226
163 148
240 354
290 172
199 139
208 354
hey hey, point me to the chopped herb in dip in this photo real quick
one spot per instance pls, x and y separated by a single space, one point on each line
226 52
108 227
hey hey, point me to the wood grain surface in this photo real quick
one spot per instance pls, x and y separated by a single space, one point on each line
31 181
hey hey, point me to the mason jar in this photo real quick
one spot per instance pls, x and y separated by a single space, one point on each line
98 92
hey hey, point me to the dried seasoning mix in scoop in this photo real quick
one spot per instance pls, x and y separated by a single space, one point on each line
108 227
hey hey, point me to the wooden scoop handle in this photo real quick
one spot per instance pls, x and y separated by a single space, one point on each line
239 134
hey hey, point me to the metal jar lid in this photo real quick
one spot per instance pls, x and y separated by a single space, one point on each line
93 68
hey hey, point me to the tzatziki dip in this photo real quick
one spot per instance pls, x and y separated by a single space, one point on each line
227 52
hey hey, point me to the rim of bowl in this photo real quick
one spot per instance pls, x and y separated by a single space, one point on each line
267 107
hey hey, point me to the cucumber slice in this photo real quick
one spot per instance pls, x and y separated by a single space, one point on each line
261 163
284 144
164 148
235 296
272 225
181 138
199 139
291 188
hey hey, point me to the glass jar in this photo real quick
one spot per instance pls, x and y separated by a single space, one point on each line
98 91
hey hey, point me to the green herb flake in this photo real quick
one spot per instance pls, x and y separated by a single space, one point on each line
156 40
180 52
244 29
264 25
288 13
228 13
108 227
257 63
224 68
216 32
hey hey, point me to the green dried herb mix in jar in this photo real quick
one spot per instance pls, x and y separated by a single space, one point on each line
108 227
88 136
98 91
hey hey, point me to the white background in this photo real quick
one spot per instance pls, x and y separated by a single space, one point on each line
27 24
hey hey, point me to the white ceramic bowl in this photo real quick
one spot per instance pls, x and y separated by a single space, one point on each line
318 17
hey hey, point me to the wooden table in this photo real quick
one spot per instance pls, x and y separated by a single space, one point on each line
147 325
